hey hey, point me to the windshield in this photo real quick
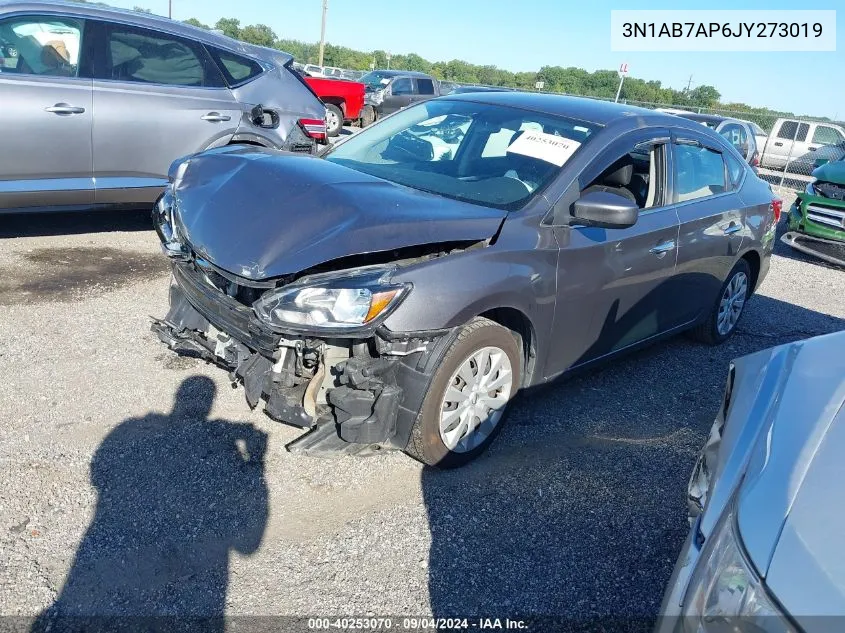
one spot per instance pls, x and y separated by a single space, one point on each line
491 155
376 79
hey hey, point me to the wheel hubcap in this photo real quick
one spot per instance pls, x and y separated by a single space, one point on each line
732 303
475 399
331 120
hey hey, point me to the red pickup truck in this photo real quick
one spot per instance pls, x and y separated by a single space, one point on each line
344 102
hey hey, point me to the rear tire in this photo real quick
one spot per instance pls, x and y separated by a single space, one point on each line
334 119
459 417
728 308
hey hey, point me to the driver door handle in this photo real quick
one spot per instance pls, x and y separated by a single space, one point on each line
216 117
661 249
64 108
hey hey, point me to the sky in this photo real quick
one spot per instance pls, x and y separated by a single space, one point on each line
528 34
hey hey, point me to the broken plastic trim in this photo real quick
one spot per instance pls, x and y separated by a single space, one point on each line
802 242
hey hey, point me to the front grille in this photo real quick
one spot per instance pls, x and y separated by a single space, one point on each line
830 190
225 313
826 215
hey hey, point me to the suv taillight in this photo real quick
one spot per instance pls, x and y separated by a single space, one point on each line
314 128
777 207
755 160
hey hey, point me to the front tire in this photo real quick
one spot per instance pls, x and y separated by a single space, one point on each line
334 119
468 397
368 116
729 307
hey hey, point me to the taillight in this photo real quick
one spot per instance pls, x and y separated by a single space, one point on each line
755 160
777 207
314 128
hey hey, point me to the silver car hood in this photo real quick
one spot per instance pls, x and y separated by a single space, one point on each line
791 504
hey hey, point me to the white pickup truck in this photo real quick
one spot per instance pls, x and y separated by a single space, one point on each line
803 144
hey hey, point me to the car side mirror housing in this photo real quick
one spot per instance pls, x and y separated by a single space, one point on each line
605 210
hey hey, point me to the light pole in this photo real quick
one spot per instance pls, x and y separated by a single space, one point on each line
388 60
170 9
323 32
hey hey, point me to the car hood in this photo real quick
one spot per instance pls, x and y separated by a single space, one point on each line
791 504
259 214
833 171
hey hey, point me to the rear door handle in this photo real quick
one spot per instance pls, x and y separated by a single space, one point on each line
216 117
733 228
778 144
64 109
661 249
812 149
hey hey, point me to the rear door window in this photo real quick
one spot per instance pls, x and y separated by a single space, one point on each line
146 56
40 45
402 86
825 135
736 170
699 172
237 69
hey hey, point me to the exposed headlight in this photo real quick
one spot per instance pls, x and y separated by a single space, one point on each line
332 302
165 227
810 189
725 593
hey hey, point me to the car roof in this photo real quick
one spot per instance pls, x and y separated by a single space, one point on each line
709 118
582 108
148 20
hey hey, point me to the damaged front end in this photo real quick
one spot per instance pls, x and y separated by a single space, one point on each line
284 296
817 219
348 389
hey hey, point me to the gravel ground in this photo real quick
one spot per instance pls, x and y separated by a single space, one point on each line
115 500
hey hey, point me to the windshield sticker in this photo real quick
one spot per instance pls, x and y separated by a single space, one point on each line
548 147
385 81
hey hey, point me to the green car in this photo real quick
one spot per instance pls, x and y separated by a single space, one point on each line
817 219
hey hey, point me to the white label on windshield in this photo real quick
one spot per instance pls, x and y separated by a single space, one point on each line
548 147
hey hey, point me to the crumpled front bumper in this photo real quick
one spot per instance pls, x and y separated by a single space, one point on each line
353 395
830 251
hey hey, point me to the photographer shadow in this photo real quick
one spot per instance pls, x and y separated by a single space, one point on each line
177 493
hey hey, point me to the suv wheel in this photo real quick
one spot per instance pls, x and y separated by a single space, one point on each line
467 399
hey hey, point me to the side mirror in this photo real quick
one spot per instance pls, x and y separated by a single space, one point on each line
606 210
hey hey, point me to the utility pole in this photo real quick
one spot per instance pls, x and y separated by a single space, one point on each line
170 9
323 32
689 83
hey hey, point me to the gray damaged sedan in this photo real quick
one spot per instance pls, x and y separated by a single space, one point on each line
766 500
400 290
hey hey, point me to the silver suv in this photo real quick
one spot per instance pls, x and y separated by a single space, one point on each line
98 102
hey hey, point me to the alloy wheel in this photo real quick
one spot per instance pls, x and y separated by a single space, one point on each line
332 121
732 303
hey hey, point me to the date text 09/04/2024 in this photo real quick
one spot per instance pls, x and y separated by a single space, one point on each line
722 29
416 624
